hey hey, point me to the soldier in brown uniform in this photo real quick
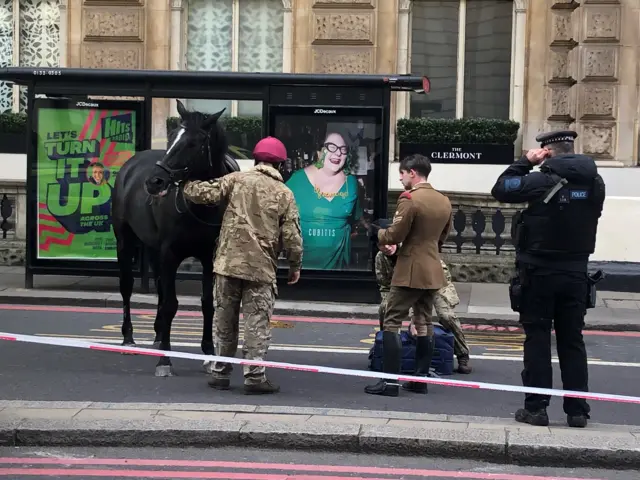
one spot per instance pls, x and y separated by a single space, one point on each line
445 303
421 221
260 217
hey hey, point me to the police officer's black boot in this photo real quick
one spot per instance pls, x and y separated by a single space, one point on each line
425 347
391 361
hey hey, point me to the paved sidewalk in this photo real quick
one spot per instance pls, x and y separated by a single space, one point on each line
26 423
480 303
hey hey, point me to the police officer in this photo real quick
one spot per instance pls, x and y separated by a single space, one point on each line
554 237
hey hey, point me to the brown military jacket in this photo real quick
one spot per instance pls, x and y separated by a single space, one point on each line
260 218
422 219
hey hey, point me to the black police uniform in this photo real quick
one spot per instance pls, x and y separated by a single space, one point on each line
554 237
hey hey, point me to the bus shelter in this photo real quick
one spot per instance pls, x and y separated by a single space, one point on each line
77 141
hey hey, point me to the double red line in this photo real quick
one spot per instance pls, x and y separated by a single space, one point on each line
302 472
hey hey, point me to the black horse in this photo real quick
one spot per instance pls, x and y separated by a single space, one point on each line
149 208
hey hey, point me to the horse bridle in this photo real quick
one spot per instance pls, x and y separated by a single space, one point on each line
178 175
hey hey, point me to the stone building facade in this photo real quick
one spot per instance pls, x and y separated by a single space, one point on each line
545 63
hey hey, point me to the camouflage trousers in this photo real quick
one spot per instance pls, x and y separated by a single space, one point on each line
447 317
257 301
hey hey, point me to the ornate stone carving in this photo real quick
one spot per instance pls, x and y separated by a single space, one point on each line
113 56
598 140
600 63
113 3
561 104
561 28
287 5
344 3
404 5
601 24
344 28
598 102
331 61
126 24
561 66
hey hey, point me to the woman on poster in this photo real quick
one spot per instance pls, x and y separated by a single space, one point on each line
327 196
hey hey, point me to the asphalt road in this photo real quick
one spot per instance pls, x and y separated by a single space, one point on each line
41 372
40 463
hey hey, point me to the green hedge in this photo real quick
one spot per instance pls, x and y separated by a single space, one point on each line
247 125
462 130
13 122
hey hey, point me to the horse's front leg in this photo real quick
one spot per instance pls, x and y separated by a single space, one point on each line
207 302
125 248
166 311
156 266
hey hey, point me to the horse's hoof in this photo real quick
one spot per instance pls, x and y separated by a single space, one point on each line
208 366
164 371
128 344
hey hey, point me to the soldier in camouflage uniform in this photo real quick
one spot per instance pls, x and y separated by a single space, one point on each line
445 302
261 217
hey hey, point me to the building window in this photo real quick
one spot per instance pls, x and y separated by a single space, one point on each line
465 48
234 35
29 36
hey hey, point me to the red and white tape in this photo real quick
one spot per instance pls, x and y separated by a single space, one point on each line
69 342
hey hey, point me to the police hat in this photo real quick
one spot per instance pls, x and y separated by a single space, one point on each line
555 137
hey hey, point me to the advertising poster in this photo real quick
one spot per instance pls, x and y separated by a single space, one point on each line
79 153
331 171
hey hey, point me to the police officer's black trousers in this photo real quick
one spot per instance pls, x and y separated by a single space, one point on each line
551 296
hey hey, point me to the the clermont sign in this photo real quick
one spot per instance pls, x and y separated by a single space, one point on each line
477 154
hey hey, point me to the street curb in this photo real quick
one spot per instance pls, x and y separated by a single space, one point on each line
302 309
491 445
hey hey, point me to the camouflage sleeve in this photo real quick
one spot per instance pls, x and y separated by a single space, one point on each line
292 234
210 191
384 270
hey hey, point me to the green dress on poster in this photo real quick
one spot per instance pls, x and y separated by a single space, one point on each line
325 222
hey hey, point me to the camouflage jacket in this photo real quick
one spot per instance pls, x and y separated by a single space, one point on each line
384 265
260 218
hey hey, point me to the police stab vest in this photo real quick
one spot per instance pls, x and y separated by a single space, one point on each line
562 223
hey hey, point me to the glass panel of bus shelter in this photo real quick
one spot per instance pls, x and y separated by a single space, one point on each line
331 171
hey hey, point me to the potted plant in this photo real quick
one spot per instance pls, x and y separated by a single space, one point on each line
13 132
479 141
243 133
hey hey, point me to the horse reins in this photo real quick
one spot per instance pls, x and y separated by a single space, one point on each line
181 173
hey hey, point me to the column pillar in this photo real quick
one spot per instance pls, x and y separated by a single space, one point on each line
287 34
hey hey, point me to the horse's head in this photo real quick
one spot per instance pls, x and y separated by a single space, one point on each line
196 152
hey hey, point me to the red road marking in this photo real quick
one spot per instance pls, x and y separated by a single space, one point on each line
150 353
345 469
11 339
288 318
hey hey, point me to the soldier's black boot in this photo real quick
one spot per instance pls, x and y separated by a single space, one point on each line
424 354
538 417
391 361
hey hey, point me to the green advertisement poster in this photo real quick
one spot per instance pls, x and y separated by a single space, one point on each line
79 153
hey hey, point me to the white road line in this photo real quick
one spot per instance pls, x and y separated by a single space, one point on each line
287 348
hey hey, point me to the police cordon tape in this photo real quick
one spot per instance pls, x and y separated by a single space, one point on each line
69 342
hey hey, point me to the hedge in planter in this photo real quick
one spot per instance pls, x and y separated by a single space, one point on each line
462 140
243 133
13 132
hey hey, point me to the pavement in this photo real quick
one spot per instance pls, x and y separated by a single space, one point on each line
98 424
480 303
